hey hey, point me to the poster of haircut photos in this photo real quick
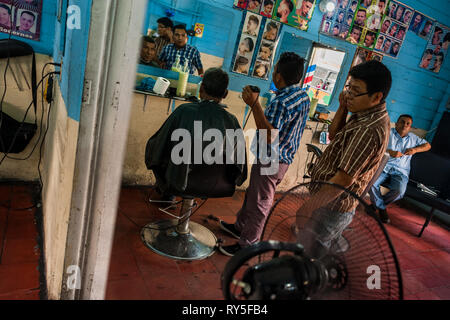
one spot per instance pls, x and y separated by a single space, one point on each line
21 18
256 46
436 50
296 13
393 28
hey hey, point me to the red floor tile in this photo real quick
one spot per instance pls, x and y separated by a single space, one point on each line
18 276
17 251
127 289
167 286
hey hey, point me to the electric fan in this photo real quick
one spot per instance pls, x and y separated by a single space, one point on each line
320 257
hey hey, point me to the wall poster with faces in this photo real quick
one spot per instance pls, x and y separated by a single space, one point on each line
266 49
337 23
436 50
21 18
393 28
262 7
366 22
421 25
296 13
254 53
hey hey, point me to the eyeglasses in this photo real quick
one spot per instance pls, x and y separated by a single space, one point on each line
352 93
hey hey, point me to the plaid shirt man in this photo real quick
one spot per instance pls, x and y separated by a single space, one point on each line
169 54
288 113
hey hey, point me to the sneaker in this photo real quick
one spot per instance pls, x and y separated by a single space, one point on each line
230 228
384 216
230 250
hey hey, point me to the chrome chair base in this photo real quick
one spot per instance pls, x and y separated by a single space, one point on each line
164 238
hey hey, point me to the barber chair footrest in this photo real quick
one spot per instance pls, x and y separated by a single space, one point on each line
162 237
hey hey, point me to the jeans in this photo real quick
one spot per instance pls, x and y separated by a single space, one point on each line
397 187
322 229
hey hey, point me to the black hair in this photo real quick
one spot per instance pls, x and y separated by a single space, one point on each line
290 66
181 26
267 2
428 51
254 19
290 5
272 25
4 6
147 39
437 29
215 82
30 13
375 75
405 116
447 37
165 22
310 1
268 45
250 42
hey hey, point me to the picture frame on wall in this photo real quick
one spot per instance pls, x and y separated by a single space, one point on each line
436 50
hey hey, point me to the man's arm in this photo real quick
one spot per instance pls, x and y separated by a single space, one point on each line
252 99
340 118
422 148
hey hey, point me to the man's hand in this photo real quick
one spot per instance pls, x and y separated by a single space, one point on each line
343 97
395 154
249 97
410 151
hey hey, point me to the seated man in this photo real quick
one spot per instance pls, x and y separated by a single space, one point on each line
402 145
148 52
162 154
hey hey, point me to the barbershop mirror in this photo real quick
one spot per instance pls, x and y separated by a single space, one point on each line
212 25
325 65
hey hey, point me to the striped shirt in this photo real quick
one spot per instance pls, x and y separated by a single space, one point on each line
160 43
288 113
170 52
357 150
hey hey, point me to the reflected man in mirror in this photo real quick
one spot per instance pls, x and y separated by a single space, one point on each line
165 34
148 52
402 146
188 54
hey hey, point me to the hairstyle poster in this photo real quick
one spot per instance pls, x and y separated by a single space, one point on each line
418 22
266 49
21 18
247 43
393 29
363 55
337 23
366 23
436 50
285 11
240 4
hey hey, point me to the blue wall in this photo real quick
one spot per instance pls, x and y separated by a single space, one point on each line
45 45
416 91
71 50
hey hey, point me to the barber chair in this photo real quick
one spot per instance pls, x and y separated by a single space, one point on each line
180 238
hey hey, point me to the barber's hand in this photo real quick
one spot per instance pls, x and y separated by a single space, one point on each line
410 151
249 96
395 154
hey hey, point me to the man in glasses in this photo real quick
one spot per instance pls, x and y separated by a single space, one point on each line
165 33
352 158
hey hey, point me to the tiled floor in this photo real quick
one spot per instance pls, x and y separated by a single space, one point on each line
138 273
19 253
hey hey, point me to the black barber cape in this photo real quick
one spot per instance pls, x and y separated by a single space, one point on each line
159 146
